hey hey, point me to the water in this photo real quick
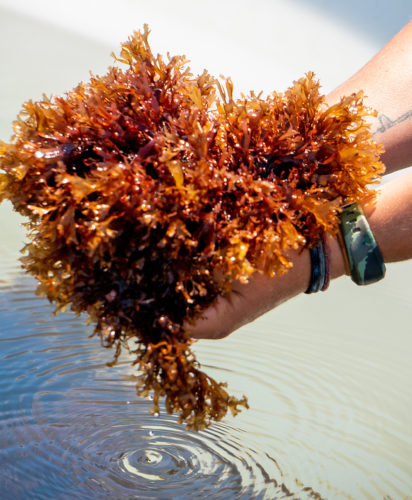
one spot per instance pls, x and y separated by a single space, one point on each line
329 418
328 377
72 427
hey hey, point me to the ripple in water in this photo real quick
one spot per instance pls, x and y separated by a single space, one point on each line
70 427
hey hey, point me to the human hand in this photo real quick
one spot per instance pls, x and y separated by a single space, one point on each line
247 301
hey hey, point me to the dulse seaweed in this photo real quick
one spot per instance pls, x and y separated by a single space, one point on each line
141 183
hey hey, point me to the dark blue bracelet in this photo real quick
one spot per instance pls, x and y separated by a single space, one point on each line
319 263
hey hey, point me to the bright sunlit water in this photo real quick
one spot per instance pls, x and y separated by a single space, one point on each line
328 377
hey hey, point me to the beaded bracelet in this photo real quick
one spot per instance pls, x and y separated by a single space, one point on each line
365 260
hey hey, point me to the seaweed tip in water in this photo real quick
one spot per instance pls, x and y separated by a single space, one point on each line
148 191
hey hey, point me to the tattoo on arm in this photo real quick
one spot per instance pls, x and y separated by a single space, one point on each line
386 123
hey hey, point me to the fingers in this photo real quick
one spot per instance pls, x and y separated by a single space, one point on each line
248 301
243 304
220 319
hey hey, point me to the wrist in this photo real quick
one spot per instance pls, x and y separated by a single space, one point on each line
337 262
326 262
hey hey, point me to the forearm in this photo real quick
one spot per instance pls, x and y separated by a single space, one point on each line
387 83
391 218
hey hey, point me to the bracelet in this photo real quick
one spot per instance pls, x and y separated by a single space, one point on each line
326 254
365 260
320 267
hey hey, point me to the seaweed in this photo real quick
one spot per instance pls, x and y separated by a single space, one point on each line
148 191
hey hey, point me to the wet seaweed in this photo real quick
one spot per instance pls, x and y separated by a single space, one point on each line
148 191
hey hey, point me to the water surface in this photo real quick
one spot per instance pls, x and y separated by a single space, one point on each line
330 403
72 427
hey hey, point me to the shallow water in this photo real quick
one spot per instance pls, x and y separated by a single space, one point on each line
328 377
329 418
71 426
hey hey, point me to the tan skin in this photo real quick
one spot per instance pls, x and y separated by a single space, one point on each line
387 83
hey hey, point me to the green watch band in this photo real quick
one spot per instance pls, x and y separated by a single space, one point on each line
365 260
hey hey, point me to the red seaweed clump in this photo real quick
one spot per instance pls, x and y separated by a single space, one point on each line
149 190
